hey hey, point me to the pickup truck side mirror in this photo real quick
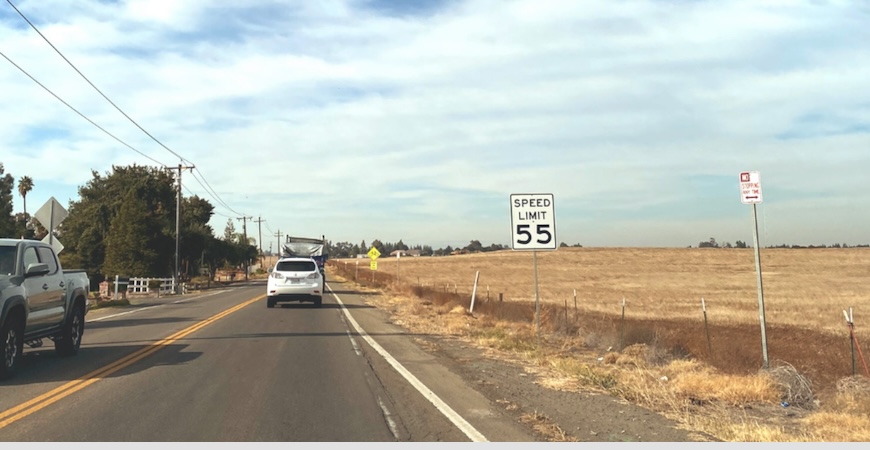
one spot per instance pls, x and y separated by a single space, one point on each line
36 269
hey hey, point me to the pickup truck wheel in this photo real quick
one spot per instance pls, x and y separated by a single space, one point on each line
70 339
11 347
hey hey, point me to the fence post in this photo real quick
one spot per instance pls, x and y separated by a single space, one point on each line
115 297
707 329
474 292
622 328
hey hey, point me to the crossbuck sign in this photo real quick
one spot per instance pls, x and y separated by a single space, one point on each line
533 222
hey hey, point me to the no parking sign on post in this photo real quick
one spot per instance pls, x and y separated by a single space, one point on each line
750 194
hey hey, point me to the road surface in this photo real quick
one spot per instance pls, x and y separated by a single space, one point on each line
220 366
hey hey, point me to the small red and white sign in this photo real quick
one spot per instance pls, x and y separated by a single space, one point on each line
750 187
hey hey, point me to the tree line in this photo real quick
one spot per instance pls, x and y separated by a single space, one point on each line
124 223
711 243
351 250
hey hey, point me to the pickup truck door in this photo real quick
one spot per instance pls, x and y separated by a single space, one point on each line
45 293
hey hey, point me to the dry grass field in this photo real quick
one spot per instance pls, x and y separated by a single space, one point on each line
802 287
805 293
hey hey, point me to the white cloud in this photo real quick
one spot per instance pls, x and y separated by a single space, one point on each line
329 118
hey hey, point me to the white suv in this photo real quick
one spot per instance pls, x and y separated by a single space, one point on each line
295 279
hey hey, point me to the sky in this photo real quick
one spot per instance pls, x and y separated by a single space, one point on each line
416 120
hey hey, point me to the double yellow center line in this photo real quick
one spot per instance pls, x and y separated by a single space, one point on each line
27 408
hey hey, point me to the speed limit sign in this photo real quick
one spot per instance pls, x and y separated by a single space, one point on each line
533 222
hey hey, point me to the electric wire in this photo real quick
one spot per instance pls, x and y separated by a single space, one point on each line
209 190
77 111
92 84
214 211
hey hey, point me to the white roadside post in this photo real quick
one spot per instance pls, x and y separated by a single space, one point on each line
474 292
750 194
533 227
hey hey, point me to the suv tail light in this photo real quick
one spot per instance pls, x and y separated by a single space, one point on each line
313 276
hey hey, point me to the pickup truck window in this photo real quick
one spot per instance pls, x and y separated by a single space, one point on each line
7 260
47 256
30 257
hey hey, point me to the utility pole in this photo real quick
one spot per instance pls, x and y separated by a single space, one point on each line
278 235
260 231
176 275
245 234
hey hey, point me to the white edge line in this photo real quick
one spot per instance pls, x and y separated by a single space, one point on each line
390 422
147 307
123 313
445 409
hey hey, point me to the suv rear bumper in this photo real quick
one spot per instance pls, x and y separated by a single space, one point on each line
274 298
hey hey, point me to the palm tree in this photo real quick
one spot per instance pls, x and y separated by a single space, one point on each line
25 185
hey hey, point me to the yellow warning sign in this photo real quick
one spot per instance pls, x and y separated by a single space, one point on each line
374 254
374 264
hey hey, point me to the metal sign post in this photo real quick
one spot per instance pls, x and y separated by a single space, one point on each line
750 193
533 227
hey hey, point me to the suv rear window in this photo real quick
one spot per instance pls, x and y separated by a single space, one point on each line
296 266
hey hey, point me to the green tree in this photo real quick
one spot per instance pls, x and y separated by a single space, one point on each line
7 223
230 234
25 185
85 231
196 234
474 246
380 246
129 250
401 245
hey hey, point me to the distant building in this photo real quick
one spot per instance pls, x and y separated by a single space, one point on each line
395 253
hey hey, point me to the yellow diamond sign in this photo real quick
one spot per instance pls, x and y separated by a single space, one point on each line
374 253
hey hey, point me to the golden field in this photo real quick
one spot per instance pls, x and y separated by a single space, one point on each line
802 287
714 367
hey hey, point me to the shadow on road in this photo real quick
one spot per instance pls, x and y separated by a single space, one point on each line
122 323
43 365
325 306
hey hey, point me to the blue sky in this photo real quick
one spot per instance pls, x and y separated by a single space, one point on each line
363 120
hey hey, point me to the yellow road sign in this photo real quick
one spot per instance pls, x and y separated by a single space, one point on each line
374 254
374 264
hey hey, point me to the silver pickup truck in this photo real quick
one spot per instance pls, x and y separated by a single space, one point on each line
38 299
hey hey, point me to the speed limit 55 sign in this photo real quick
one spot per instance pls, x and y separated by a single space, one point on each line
533 222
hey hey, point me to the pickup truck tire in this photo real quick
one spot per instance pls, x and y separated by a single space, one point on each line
70 338
11 346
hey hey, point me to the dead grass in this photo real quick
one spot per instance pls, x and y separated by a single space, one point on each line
802 287
659 356
545 427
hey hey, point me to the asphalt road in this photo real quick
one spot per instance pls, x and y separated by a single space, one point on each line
220 366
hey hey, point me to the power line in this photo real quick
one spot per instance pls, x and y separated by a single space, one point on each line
208 189
211 191
192 194
77 111
92 84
